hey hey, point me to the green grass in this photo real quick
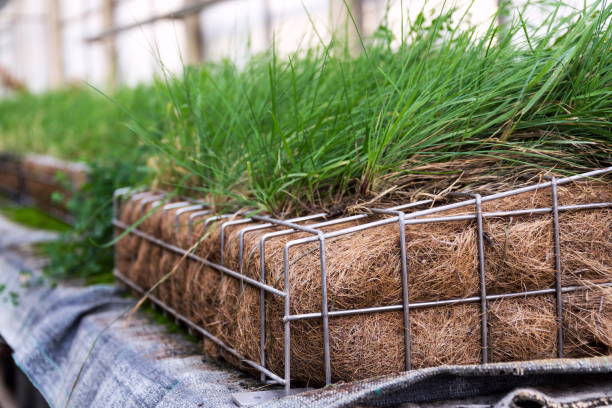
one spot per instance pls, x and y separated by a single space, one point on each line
101 279
322 128
78 124
33 218
81 124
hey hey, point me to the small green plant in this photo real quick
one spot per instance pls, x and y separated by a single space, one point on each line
81 251
13 299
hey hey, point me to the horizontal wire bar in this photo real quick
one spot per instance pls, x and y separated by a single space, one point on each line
332 234
177 204
287 223
270 224
511 192
335 221
413 221
181 251
343 220
195 327
437 209
421 305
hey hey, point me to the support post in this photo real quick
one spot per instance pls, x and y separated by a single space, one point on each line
110 44
268 29
346 20
56 47
193 38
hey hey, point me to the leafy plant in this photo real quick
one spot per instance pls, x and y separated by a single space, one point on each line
81 251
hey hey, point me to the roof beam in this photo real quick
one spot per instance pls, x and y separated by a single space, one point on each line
180 13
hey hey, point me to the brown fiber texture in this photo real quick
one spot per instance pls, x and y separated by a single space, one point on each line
39 177
364 271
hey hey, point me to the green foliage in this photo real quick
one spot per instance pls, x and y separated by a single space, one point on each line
80 251
80 124
322 126
32 217
77 123
11 298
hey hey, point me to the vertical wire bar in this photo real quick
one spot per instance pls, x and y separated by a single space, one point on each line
116 199
177 215
401 217
483 290
287 323
192 218
262 293
405 293
324 309
557 249
262 310
223 227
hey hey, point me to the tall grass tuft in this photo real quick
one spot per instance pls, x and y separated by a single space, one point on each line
320 127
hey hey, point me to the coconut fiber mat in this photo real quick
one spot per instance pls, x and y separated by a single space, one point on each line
58 332
315 300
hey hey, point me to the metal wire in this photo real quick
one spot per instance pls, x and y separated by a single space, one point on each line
194 216
180 251
262 293
397 215
447 302
194 327
324 306
461 204
557 250
483 285
405 289
178 213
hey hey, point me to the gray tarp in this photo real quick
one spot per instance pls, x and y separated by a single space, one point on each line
135 363
61 333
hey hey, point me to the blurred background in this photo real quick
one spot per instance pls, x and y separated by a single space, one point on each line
46 44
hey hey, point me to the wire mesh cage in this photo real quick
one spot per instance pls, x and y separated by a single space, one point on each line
241 260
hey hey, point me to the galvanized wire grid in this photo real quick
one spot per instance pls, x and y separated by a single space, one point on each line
398 215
